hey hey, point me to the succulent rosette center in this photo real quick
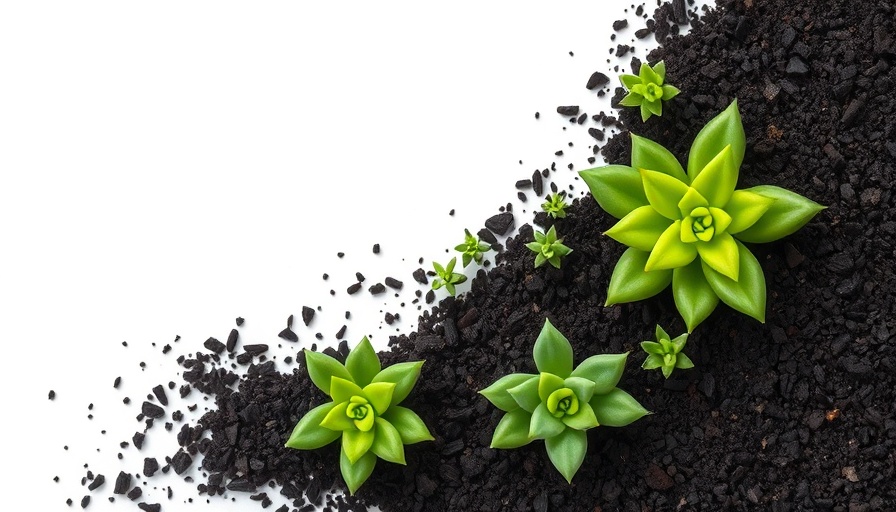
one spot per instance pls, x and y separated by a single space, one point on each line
360 412
563 402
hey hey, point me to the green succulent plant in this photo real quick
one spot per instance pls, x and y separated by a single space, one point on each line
548 248
555 206
472 249
687 229
447 277
364 411
647 90
666 353
561 402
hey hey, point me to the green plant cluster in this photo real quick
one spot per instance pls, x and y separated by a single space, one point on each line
683 227
447 277
687 228
648 90
364 411
548 248
561 402
665 353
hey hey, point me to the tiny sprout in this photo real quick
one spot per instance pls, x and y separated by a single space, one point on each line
646 90
445 276
666 353
472 248
548 248
555 206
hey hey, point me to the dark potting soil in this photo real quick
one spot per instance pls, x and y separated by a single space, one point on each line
798 413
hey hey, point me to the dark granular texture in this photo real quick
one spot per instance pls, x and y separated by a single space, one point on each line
798 413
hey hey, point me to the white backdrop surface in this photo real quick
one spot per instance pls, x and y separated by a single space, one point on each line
169 166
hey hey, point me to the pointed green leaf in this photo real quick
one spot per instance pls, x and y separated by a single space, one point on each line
581 420
567 451
342 390
551 236
669 92
786 215
667 370
356 443
631 100
497 393
639 229
336 419
679 341
404 375
547 384
652 362
645 111
717 180
745 208
358 473
540 260
617 408
655 107
660 333
670 252
652 348
724 129
721 254
322 368
362 363
684 362
308 434
544 425
439 268
582 387
648 75
660 70
534 247
617 188
629 81
526 394
552 351
408 424
647 154
663 192
604 370
387 443
450 268
630 283
747 294
513 430
380 395
561 250
694 298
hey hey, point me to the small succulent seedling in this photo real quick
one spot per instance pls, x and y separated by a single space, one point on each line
647 90
472 249
560 403
364 411
445 276
687 229
666 353
555 206
548 248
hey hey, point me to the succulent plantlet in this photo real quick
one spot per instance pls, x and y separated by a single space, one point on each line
666 353
647 90
555 206
364 411
548 248
560 403
445 276
472 249
687 229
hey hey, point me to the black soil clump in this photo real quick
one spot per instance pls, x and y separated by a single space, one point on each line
798 413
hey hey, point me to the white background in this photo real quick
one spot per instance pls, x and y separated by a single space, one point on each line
168 166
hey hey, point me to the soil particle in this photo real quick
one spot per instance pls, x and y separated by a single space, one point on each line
500 224
571 110
597 78
307 315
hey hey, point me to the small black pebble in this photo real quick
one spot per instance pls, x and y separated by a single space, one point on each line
85 501
52 395
376 248
353 289
570 110
340 254
597 79
307 315
393 283
377 289
239 321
